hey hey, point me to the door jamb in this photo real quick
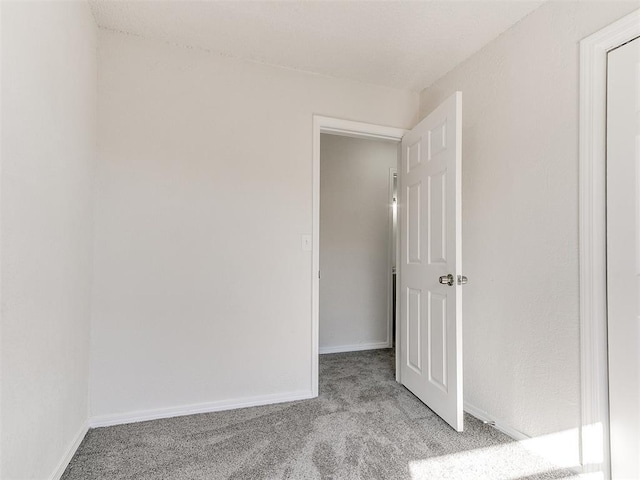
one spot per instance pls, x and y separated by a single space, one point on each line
336 126
392 256
594 451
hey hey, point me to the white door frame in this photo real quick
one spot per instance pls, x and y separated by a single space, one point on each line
346 128
593 267
392 256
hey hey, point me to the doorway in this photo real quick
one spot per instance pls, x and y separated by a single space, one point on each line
357 241
359 130
428 357
428 354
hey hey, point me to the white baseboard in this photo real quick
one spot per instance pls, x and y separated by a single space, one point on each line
71 451
498 424
181 410
354 348
502 426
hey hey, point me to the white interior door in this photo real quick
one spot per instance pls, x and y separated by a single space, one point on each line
430 264
623 257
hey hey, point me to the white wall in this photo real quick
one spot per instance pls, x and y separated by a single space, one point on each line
355 255
48 144
520 215
202 292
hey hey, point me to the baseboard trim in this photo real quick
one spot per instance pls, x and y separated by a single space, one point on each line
354 348
193 409
508 430
71 451
498 424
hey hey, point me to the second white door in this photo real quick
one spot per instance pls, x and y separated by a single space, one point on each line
623 257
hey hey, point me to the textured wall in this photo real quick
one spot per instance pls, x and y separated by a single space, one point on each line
47 147
355 246
520 215
202 291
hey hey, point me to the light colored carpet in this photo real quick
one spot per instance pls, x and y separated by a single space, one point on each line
362 426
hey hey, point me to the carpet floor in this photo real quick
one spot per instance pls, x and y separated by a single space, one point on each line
363 425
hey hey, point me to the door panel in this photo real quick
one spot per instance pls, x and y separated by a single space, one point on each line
437 218
413 223
438 340
430 237
414 353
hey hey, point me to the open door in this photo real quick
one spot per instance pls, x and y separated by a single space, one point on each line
430 262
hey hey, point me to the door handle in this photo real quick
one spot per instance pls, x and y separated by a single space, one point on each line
449 280
446 280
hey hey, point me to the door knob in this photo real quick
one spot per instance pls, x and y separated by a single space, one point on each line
446 280
462 280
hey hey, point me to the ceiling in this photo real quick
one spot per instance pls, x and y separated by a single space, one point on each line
400 44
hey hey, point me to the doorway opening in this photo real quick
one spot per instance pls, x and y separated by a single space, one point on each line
357 243
354 130
428 354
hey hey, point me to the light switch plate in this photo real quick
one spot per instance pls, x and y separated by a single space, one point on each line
306 243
